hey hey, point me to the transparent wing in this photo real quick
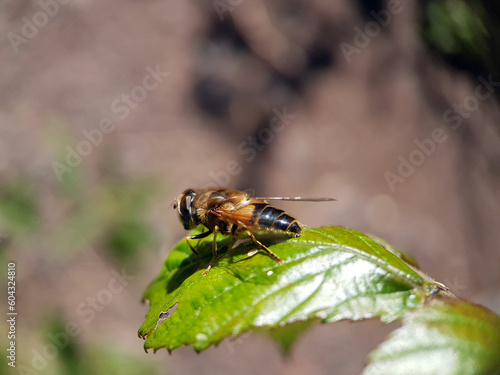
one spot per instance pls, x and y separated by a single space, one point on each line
304 199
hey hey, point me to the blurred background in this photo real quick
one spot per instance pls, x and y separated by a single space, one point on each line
109 110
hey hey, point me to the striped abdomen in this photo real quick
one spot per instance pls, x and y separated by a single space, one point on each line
268 217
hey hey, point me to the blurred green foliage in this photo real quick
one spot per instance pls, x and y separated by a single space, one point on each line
112 217
127 231
107 211
74 359
463 33
18 208
109 214
455 28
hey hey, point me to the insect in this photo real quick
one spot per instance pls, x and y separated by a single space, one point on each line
233 212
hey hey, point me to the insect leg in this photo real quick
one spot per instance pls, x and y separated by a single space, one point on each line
214 251
194 251
203 235
271 254
197 237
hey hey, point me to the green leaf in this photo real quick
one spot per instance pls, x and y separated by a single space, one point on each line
329 273
409 259
445 337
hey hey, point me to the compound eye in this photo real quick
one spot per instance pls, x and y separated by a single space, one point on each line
175 206
185 209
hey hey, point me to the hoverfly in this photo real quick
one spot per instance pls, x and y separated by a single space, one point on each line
233 212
